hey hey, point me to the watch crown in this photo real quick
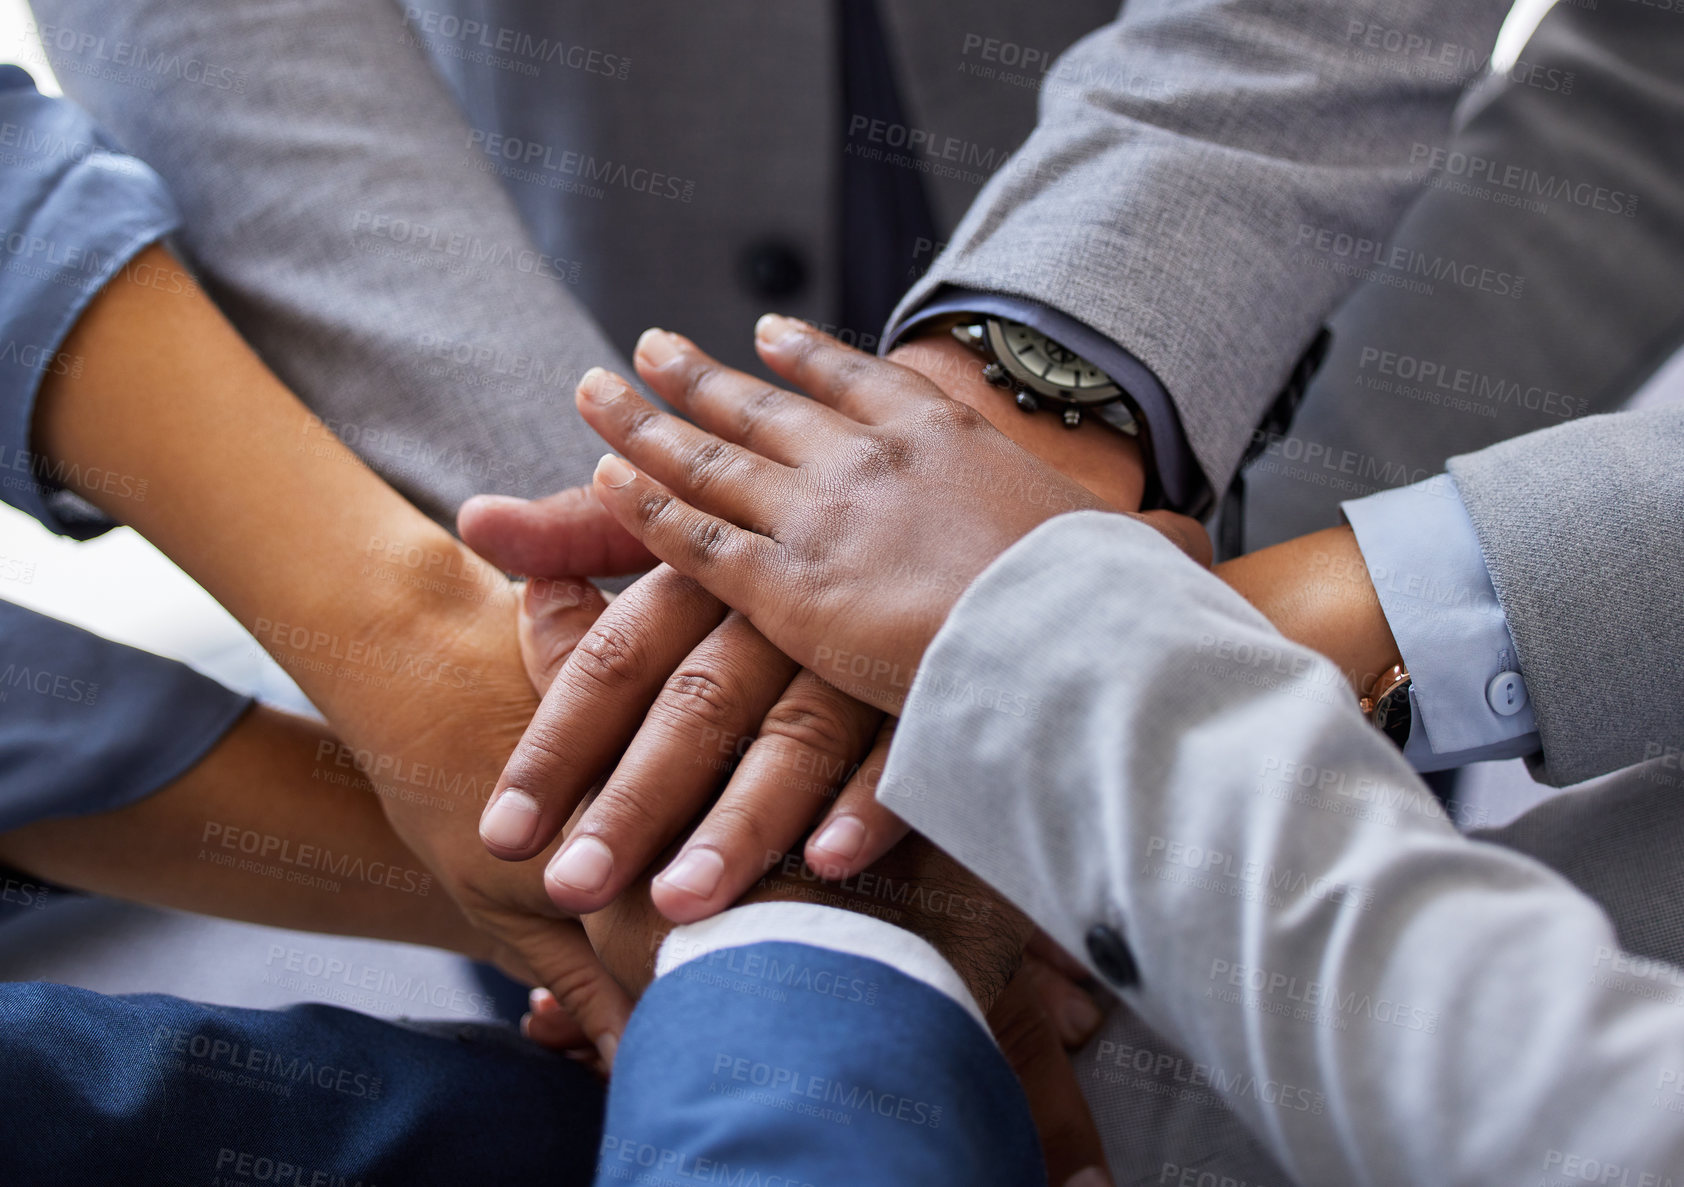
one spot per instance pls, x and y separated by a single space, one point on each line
1072 418
1027 402
996 374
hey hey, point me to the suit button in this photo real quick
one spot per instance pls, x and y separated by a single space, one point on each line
773 270
1111 956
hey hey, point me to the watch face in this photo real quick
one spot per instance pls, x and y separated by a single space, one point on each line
1046 367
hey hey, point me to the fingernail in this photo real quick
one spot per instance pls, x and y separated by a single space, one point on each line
510 821
584 865
842 838
601 387
1089 1177
697 871
613 472
542 1001
658 348
775 328
1078 1016
607 1045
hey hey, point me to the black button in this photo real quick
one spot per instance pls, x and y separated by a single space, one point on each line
1111 956
774 270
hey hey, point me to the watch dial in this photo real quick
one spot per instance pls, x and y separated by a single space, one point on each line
1055 365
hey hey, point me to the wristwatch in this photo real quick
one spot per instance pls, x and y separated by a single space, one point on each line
1387 705
1039 373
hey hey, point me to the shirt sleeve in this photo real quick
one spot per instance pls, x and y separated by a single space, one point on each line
74 212
88 725
1178 472
1467 692
818 926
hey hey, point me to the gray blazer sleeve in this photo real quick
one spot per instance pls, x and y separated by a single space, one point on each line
1143 753
1580 528
1194 163
340 216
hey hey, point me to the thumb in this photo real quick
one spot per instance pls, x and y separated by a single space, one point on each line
556 536
1070 1141
566 964
553 616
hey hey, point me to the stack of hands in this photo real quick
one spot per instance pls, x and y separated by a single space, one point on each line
735 706
712 736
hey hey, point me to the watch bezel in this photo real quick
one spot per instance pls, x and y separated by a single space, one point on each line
994 329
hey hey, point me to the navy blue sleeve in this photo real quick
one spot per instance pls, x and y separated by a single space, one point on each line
788 1065
88 725
151 1091
73 213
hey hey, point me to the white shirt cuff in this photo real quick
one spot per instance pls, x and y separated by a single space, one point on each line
817 926
1435 589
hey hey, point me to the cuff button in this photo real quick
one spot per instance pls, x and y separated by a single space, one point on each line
1506 694
1111 956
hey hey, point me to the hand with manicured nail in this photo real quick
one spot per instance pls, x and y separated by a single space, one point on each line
844 526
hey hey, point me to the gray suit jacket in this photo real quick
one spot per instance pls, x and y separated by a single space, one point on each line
1188 156
1382 1000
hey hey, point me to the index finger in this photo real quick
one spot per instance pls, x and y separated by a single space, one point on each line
594 707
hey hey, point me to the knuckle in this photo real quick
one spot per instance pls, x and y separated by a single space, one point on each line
810 724
695 696
608 656
759 409
627 816
710 461
884 454
708 540
641 421
948 416
738 828
703 379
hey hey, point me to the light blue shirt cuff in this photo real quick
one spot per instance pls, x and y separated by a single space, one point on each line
1467 691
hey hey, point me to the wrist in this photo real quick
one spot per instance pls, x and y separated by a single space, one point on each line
1316 590
918 888
1106 461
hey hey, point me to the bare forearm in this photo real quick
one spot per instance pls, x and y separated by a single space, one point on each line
274 826
1316 591
237 482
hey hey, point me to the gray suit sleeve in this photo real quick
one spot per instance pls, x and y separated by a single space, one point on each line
340 216
1579 525
1144 753
1194 165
